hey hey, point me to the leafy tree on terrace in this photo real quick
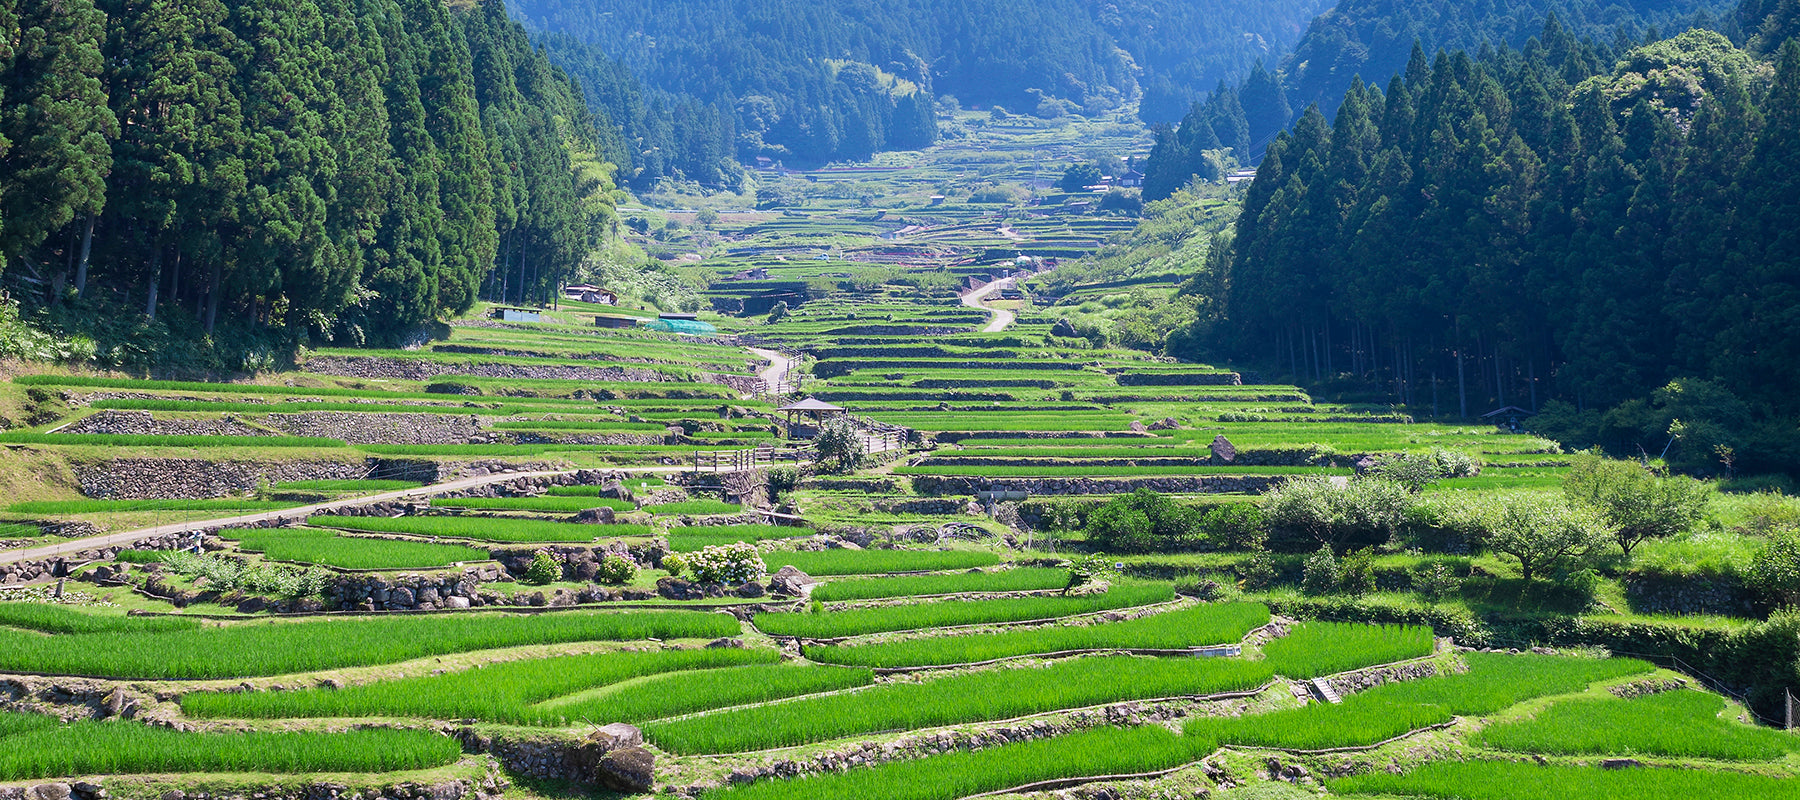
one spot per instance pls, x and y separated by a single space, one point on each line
1141 522
1635 504
1542 532
1078 177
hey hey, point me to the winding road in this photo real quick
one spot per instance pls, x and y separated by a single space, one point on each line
779 366
1002 317
296 513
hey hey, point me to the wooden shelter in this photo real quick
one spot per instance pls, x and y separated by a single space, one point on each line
814 408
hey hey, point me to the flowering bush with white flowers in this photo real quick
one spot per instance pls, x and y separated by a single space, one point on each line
737 562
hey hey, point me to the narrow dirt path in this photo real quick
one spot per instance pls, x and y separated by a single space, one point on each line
779 367
298 512
1002 317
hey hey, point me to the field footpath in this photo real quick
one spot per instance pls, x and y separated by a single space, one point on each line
779 366
1002 317
298 512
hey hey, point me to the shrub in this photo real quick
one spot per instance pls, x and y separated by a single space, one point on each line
1436 582
546 567
1321 574
1237 526
840 445
1357 572
1312 508
675 563
1258 571
1775 572
1141 522
614 569
1415 471
730 563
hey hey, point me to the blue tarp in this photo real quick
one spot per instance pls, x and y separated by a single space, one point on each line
689 326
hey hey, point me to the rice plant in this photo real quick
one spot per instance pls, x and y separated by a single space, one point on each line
485 529
315 546
688 539
63 619
1313 649
551 503
1683 724
1506 780
859 621
875 562
1494 681
1201 625
1022 579
248 649
124 748
689 692
973 697
696 507
1100 751
505 692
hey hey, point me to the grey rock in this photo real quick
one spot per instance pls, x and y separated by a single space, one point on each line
628 769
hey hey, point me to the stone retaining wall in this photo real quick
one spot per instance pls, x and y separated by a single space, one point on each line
385 428
141 423
198 478
490 788
939 485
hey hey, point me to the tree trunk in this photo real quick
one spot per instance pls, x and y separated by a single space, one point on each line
87 246
1531 375
155 281
1499 380
1462 386
212 297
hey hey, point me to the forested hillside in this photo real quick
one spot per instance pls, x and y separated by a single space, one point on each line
1528 226
344 169
1374 39
698 84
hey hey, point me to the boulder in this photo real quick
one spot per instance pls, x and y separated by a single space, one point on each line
1223 450
1139 427
790 581
750 590
1620 763
726 643
1165 424
1064 329
616 736
49 791
677 589
596 516
456 601
628 769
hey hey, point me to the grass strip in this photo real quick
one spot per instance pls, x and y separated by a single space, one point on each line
249 649
687 539
698 507
1100 751
874 562
549 503
914 616
63 619
1023 579
315 546
1682 724
487 529
125 748
689 692
1067 470
149 440
1493 682
1506 780
1200 625
1313 649
507 692
972 697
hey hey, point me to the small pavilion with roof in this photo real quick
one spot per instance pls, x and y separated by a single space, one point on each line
815 409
